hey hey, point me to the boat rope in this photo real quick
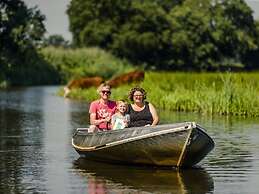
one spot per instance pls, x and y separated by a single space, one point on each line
179 163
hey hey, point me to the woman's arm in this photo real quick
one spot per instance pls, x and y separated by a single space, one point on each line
154 114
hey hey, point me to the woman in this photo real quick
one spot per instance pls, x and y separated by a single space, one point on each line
141 113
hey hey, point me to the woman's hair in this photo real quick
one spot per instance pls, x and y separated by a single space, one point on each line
133 90
105 84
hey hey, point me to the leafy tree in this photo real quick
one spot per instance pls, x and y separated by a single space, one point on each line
56 40
140 38
21 31
239 38
93 22
177 34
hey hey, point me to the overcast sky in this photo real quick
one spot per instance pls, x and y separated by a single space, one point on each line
57 21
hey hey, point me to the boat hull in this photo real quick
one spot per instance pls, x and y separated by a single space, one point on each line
182 144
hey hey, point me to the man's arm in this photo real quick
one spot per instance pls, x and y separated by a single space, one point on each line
94 121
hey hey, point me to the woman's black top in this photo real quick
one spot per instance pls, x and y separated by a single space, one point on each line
140 118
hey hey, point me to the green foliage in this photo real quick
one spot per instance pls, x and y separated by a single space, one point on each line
21 31
140 37
93 22
206 93
85 62
227 94
184 34
55 40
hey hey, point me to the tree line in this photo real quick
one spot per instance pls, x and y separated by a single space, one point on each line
170 34
200 35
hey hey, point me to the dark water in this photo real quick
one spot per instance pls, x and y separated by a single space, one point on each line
36 154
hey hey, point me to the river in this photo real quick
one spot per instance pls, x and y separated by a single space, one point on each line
36 155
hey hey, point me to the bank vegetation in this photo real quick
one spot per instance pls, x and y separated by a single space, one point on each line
206 93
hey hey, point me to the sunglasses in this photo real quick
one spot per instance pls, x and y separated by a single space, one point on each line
106 92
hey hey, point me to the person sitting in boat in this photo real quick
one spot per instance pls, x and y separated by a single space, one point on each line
120 119
142 113
101 110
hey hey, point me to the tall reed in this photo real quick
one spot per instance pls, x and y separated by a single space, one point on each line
208 93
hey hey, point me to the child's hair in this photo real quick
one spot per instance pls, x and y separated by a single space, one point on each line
121 101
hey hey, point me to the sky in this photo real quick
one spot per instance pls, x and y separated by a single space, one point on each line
56 18
57 21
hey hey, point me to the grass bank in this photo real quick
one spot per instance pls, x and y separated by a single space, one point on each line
84 62
208 93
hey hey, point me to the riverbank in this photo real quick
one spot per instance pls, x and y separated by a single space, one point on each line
84 62
53 66
208 93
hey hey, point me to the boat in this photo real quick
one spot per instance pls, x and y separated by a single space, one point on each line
177 145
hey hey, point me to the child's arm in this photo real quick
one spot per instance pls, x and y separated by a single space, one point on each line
112 121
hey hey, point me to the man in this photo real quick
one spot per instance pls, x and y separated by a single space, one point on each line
101 110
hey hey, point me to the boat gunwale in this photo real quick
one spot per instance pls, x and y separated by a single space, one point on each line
131 139
159 127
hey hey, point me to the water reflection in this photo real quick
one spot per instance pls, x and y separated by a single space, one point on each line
79 114
108 178
36 155
21 138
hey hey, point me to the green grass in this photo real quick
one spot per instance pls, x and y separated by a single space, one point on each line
84 62
208 93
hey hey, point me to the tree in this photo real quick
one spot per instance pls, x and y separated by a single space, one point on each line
141 37
178 34
209 36
94 22
21 31
56 40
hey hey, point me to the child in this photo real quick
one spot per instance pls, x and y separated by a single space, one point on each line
120 119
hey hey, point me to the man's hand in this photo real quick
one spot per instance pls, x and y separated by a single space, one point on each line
107 119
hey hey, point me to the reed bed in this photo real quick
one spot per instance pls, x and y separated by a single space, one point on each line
208 93
212 93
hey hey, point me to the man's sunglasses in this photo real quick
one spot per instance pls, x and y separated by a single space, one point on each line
106 92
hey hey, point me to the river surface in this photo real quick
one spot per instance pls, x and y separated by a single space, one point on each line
36 155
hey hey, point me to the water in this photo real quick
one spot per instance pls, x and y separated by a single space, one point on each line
36 155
